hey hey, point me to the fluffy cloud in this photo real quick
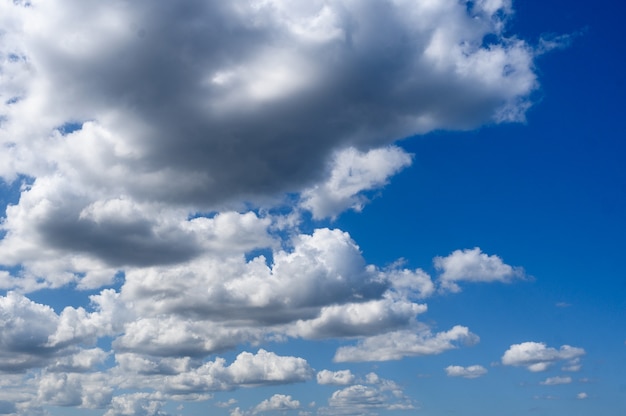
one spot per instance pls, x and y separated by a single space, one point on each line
254 100
473 371
83 390
184 378
352 173
335 377
140 404
536 356
362 399
405 343
277 402
286 69
473 266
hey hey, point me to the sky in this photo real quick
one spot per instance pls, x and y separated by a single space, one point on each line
332 207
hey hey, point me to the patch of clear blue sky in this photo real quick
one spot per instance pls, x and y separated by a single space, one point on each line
548 195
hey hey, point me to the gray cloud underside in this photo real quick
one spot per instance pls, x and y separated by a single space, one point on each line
243 100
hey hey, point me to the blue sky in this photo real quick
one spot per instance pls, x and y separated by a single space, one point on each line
331 208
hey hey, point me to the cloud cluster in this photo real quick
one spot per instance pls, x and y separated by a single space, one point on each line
125 123
169 152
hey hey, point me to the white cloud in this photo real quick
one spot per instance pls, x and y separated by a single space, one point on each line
352 173
276 403
473 266
69 390
136 404
360 399
411 283
405 343
335 377
472 371
553 381
536 356
582 396
359 319
263 108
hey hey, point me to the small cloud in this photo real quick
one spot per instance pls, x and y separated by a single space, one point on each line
473 371
582 395
553 381
536 356
563 305
278 402
342 377
472 265
227 403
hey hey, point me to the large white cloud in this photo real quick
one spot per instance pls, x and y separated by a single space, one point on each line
143 113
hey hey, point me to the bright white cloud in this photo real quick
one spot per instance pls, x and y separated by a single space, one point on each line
352 173
276 403
473 266
472 371
553 381
136 404
335 377
361 399
405 343
263 99
536 356
582 396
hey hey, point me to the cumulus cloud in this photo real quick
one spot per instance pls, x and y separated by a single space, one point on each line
335 377
277 402
536 356
472 371
473 266
360 399
252 101
140 404
352 173
405 343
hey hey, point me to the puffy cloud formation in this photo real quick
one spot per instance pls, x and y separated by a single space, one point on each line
473 266
367 397
353 172
536 356
124 124
169 153
335 377
405 343
277 402
472 371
